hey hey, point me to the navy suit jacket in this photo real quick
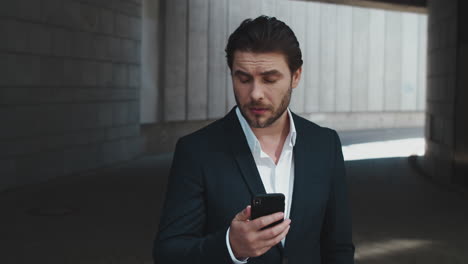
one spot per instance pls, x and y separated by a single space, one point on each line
214 176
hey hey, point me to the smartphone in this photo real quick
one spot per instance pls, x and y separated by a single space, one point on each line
266 204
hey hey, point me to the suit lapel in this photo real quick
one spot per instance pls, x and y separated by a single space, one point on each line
299 189
302 172
242 154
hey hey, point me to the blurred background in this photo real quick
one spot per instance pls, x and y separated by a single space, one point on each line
95 93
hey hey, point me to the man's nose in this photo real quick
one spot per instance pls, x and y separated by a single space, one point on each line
257 92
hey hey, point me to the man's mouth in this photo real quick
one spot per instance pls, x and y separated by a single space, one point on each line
258 110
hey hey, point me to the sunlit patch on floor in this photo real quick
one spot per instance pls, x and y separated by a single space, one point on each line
385 149
390 247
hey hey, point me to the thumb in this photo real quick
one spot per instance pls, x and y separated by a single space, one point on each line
244 215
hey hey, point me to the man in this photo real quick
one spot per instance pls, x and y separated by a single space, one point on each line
259 147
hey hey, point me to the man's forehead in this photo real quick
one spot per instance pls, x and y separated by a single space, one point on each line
266 61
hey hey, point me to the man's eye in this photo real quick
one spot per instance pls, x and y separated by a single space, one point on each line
269 81
244 80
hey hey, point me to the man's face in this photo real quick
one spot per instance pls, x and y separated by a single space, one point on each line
262 86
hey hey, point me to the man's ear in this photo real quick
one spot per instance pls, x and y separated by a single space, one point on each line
296 77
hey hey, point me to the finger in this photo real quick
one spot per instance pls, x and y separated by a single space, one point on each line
244 215
263 221
274 230
248 211
275 240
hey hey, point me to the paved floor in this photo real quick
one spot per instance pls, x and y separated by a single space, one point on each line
372 135
111 216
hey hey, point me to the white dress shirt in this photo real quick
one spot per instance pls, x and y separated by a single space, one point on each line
276 178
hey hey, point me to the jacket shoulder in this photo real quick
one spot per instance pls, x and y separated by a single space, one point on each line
204 137
311 127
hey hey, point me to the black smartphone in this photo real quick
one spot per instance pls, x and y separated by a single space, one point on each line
265 204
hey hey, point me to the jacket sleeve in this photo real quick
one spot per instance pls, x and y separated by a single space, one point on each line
336 235
181 237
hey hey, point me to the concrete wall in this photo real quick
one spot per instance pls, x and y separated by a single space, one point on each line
446 156
356 59
69 87
442 52
347 121
461 97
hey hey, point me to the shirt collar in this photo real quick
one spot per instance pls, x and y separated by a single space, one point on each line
252 140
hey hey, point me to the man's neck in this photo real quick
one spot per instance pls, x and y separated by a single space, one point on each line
272 138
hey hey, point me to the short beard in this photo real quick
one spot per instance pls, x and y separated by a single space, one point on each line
276 114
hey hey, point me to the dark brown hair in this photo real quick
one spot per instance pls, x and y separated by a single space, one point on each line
265 34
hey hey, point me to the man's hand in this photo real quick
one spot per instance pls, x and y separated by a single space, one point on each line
246 238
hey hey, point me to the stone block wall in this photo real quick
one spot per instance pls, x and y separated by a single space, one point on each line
441 87
69 87
461 95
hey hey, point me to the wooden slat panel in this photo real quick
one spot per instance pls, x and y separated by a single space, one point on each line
343 59
268 7
175 61
237 13
328 57
312 59
217 67
409 62
422 59
298 25
376 60
392 77
359 94
197 85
